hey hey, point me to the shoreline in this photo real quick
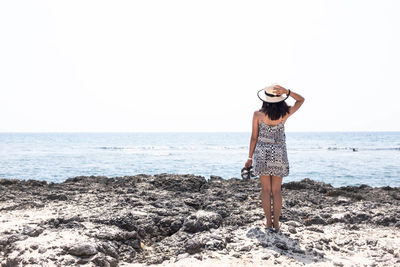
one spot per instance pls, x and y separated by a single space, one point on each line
187 220
51 183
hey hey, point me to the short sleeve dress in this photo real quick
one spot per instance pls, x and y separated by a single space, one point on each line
270 154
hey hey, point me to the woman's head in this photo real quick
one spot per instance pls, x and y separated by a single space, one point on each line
275 110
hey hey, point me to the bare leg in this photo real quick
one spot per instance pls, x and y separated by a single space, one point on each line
277 199
266 197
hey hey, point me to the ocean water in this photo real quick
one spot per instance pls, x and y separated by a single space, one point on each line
338 158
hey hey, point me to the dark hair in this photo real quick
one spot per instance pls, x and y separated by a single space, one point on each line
275 110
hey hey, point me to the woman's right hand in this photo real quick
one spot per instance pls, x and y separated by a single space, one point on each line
248 163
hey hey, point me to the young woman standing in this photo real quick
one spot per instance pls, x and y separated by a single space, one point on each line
268 146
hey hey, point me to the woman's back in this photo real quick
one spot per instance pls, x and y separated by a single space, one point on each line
271 133
268 121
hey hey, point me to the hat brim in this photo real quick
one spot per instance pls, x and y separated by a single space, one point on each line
276 99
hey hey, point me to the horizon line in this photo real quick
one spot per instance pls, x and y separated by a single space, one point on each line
360 131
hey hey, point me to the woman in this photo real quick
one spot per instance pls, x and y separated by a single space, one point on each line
268 143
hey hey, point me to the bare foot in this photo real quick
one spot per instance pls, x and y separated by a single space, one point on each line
277 226
266 224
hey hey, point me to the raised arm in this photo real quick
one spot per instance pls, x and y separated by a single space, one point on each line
299 99
253 139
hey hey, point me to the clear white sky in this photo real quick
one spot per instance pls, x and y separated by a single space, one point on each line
197 65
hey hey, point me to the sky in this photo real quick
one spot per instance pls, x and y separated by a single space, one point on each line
190 66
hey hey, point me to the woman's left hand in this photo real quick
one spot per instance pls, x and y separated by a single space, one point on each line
280 90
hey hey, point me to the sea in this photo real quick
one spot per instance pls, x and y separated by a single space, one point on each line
337 158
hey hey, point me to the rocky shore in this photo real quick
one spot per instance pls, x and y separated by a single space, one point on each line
187 220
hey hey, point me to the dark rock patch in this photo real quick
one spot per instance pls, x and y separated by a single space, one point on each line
202 221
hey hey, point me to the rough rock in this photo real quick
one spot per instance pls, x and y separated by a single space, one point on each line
202 221
164 218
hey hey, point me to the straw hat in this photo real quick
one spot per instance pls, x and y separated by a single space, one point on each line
267 95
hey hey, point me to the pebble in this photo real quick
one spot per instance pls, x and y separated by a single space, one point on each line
281 245
266 257
82 250
390 250
298 250
326 240
338 263
42 250
198 256
315 229
293 224
245 248
319 246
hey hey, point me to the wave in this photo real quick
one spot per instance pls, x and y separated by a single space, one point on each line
173 148
110 147
343 148
365 148
237 148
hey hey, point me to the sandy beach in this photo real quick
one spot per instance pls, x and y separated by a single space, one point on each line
186 220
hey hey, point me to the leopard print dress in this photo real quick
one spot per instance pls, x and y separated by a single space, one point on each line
270 154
